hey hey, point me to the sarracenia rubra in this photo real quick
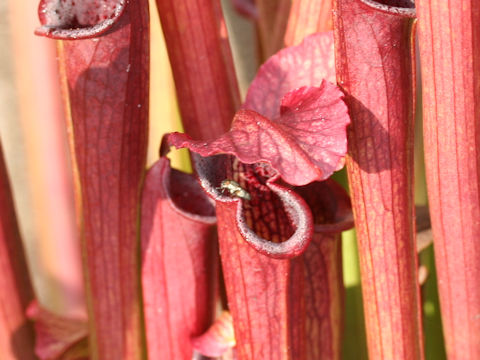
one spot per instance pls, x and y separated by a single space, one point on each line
263 224
450 63
374 67
16 332
261 175
104 68
202 65
178 261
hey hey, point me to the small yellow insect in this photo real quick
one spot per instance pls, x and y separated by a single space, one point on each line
234 189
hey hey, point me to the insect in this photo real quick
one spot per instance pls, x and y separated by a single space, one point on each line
234 189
